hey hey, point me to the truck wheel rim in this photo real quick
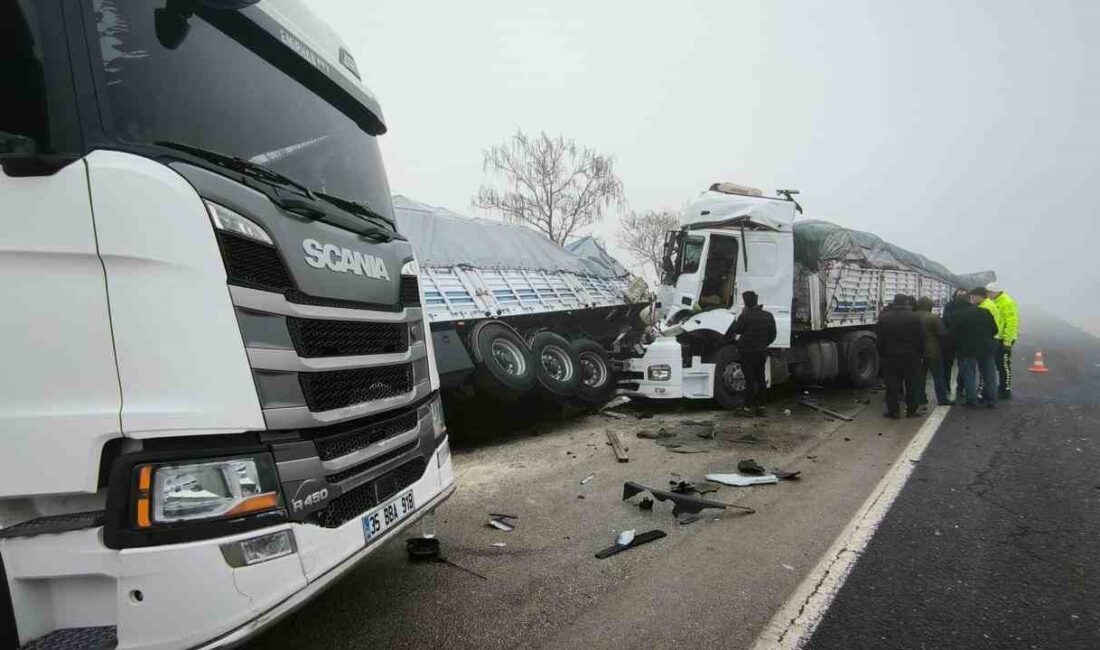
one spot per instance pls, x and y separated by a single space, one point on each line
556 363
509 357
593 370
733 377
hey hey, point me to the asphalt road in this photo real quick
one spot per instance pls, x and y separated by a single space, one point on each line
711 584
995 540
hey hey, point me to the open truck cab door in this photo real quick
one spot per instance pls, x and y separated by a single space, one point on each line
728 244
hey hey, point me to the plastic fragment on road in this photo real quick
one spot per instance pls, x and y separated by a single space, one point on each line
657 435
501 522
428 549
639 539
647 504
687 519
588 478
681 503
625 537
742 480
498 545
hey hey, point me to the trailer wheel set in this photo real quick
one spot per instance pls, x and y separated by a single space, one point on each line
508 366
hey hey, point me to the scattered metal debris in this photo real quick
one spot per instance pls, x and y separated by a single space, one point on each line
784 475
750 466
613 414
655 435
647 504
836 414
742 480
687 519
498 545
680 502
427 549
588 478
681 487
500 521
688 450
625 537
500 524
617 447
638 540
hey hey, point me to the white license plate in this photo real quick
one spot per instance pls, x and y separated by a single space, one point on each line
388 514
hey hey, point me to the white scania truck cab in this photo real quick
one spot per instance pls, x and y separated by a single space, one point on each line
219 392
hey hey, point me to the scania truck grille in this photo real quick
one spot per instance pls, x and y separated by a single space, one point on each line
252 263
351 437
325 391
333 338
410 290
358 500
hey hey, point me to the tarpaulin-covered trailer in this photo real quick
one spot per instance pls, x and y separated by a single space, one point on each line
511 311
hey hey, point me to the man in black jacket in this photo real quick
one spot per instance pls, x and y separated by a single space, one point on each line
960 297
900 345
755 330
972 330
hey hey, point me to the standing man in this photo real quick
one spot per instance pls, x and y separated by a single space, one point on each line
1009 332
972 330
934 334
755 330
960 297
985 303
900 345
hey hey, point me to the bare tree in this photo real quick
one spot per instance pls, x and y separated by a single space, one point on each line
551 184
642 234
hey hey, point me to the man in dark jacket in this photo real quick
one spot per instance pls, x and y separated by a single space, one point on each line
934 334
960 297
755 330
900 345
972 330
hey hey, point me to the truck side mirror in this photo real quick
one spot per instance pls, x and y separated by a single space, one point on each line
171 22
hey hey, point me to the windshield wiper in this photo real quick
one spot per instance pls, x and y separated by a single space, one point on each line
239 165
356 207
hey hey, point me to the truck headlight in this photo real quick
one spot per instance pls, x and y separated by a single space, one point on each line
229 221
434 409
662 372
173 492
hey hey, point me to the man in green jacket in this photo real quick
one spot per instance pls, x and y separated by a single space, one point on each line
1009 331
981 295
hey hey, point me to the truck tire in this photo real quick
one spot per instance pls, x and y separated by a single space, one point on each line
503 365
822 363
729 379
557 368
597 379
861 361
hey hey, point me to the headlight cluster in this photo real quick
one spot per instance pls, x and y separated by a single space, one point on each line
435 410
410 268
173 492
662 372
229 221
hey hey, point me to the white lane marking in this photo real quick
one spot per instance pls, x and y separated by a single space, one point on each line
794 623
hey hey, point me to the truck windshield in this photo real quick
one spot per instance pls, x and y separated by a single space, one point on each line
211 92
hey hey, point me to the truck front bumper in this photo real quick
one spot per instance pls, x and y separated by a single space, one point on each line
187 595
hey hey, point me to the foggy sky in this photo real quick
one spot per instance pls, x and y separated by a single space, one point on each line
966 130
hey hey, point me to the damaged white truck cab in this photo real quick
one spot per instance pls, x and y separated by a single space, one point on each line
824 284
220 392
729 243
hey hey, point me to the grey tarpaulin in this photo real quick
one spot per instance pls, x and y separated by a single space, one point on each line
816 242
441 237
590 249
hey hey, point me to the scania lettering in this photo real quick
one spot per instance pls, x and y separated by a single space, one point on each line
220 394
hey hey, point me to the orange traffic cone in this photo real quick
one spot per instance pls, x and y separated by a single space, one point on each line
1038 365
